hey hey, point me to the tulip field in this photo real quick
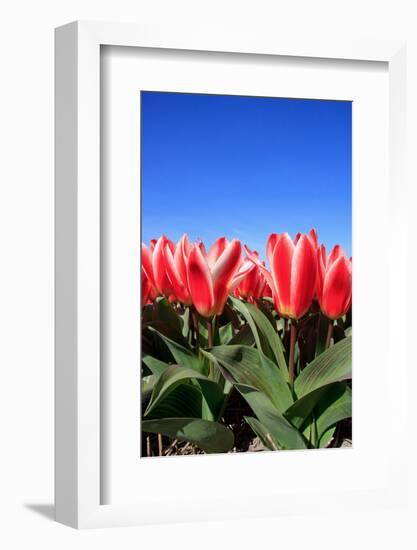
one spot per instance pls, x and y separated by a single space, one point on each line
245 350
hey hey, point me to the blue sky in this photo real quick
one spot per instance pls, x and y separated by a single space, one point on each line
245 167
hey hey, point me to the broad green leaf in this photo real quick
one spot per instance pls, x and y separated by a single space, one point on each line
173 376
301 409
185 400
333 365
244 365
154 365
266 337
213 399
167 330
182 356
328 404
326 437
336 406
148 383
211 437
259 429
218 377
273 421
244 337
226 333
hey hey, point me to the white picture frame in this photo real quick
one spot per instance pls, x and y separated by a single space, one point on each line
78 293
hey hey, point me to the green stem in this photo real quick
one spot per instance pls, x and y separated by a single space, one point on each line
196 330
210 333
292 353
329 334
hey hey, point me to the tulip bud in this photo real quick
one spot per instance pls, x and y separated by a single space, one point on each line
334 282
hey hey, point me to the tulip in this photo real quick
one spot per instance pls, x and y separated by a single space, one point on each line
148 280
148 291
162 282
312 236
213 275
293 273
334 282
176 269
253 285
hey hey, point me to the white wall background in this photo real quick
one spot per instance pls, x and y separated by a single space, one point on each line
26 271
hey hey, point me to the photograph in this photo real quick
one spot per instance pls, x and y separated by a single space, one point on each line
246 274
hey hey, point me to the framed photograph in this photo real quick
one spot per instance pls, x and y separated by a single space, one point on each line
228 213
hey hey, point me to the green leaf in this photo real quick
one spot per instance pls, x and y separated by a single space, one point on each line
301 410
266 337
211 437
336 406
244 337
326 437
259 429
148 383
245 365
226 333
185 400
274 422
173 376
154 365
334 365
182 356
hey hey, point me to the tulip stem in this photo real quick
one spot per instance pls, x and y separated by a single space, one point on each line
196 330
329 334
209 333
292 353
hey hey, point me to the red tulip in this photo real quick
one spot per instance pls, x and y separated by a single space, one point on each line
176 269
293 273
334 282
148 291
253 285
162 282
312 236
211 277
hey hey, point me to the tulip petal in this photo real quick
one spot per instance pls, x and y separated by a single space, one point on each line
180 289
182 251
321 270
314 238
158 263
242 275
281 273
147 264
200 282
202 248
303 276
224 271
270 245
216 249
337 289
146 288
253 257
336 253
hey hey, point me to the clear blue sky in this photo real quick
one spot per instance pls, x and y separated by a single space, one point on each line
245 167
